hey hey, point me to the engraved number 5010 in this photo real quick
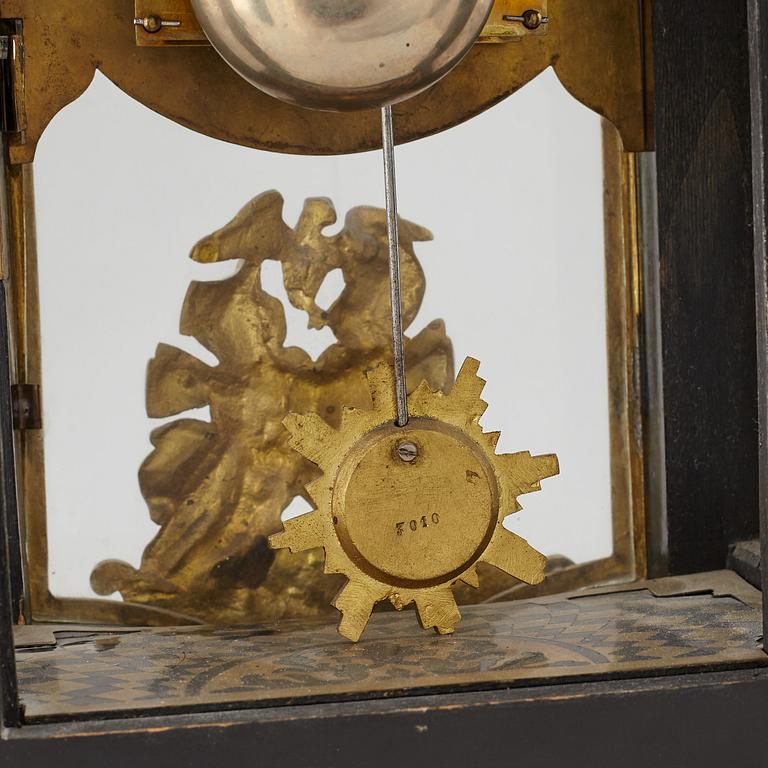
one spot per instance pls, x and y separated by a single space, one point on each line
414 525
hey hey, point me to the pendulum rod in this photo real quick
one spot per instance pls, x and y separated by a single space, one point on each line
398 339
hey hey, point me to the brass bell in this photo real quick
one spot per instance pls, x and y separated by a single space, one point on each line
342 55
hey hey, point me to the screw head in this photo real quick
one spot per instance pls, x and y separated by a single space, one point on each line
532 19
407 452
152 24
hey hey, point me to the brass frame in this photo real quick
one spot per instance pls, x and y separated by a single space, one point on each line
596 49
624 298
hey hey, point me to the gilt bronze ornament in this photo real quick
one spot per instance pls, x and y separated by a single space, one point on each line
217 488
404 513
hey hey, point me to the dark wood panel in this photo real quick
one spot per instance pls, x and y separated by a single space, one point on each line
758 53
706 281
669 626
633 724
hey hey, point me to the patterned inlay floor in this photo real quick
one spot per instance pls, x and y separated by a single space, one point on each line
670 625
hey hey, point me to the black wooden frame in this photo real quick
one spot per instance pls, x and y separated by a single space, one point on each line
694 720
711 372
706 281
758 45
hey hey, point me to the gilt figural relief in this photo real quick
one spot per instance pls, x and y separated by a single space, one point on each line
217 488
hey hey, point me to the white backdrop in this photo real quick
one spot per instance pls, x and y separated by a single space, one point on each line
516 270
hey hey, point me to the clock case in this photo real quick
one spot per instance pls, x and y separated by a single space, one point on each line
697 122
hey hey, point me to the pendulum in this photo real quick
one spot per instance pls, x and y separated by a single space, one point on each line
413 495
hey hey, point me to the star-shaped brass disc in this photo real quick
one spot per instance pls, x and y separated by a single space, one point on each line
405 513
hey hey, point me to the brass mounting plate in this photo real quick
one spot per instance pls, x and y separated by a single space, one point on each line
189 32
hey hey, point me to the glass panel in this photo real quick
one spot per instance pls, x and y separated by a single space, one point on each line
514 199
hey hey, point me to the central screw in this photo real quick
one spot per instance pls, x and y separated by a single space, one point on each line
407 452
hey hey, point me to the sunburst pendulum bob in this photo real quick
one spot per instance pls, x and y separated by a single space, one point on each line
413 495
406 512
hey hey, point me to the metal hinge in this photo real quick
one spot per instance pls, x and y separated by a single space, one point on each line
12 114
27 413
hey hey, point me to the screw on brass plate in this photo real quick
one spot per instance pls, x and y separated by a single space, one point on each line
408 452
531 19
154 23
